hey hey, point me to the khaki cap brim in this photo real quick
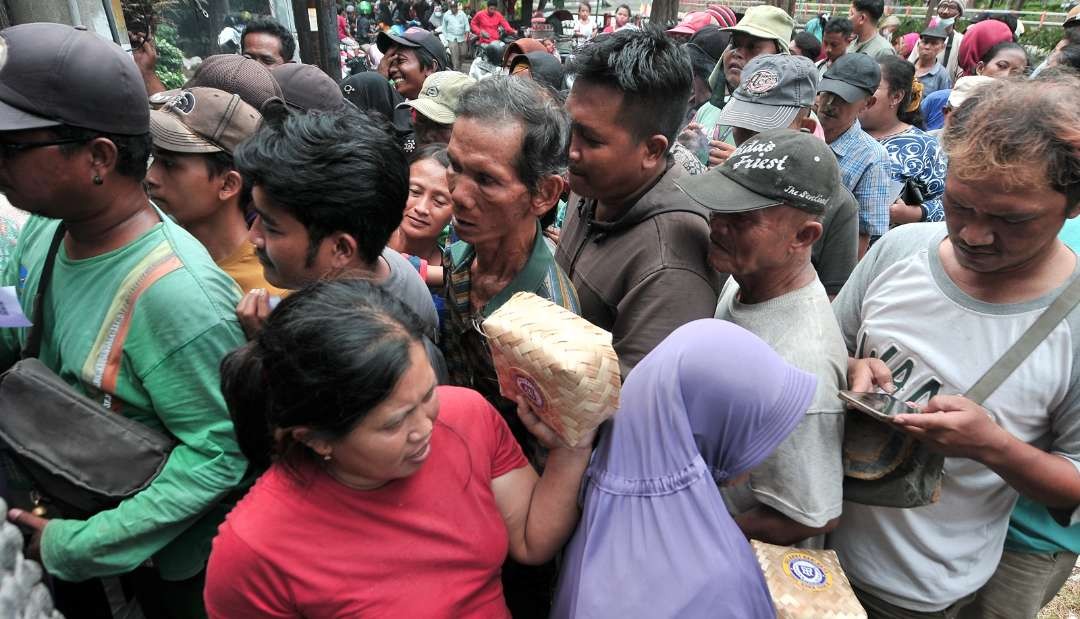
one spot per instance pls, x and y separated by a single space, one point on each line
170 134
432 110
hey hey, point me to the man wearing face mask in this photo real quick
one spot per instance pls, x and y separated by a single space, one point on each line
947 12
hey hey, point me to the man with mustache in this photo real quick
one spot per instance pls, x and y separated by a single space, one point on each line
332 214
846 90
634 244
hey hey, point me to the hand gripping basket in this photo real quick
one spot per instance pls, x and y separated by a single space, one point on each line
561 363
807 584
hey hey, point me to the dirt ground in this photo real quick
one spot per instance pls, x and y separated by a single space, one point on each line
1067 604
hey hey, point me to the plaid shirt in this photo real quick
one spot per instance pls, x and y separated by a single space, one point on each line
865 169
468 359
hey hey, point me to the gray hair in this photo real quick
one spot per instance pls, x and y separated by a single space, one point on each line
546 124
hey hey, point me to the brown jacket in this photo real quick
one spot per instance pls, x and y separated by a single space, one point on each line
645 274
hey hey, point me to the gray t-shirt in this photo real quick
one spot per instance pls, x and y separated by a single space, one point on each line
901 307
803 479
877 47
405 284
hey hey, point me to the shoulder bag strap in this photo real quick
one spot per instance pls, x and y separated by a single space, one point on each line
33 341
1028 342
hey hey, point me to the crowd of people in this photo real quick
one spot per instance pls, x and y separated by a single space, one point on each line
288 277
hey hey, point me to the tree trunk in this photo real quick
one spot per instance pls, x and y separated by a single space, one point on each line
308 40
329 52
931 10
663 12
217 9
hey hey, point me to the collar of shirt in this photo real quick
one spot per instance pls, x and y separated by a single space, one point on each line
937 68
848 140
528 279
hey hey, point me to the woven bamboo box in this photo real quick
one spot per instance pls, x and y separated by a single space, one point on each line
807 584
561 363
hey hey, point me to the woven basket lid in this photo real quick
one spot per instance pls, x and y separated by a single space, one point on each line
561 363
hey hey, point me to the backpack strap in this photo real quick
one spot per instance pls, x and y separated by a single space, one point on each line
33 340
1028 342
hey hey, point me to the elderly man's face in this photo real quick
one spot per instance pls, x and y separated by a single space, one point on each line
490 201
753 243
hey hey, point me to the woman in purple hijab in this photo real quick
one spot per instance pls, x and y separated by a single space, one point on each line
710 403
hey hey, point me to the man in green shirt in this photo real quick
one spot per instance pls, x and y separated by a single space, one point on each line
136 317
864 15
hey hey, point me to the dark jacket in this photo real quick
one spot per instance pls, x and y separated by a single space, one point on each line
645 274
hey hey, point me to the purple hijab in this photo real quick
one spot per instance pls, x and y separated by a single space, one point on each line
710 403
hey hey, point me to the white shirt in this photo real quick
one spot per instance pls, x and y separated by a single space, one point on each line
901 307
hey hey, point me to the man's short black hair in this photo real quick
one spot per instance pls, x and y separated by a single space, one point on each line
269 25
333 171
874 8
221 163
808 45
132 151
840 25
651 71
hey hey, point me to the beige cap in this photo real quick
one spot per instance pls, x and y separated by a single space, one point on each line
203 120
965 87
439 97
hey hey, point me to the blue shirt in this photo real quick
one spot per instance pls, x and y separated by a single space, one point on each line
936 80
917 157
933 108
864 169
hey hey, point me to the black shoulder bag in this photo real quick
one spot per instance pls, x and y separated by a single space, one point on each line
80 457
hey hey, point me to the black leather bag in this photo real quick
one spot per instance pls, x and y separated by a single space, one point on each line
79 457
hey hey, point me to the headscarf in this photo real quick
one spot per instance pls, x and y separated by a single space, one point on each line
910 39
545 69
521 46
710 403
933 109
978 39
370 91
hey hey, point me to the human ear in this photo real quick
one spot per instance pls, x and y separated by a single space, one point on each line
231 185
547 194
103 156
303 435
656 149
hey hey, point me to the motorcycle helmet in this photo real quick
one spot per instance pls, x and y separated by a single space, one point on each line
493 53
365 7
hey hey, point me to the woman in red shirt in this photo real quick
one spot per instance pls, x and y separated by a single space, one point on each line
386 495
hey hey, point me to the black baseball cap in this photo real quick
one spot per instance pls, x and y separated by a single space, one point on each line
415 38
937 31
782 166
63 75
853 77
306 87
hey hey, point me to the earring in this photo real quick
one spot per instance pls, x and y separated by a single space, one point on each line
97 180
328 457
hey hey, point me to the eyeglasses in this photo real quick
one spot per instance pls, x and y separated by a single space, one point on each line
10 149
